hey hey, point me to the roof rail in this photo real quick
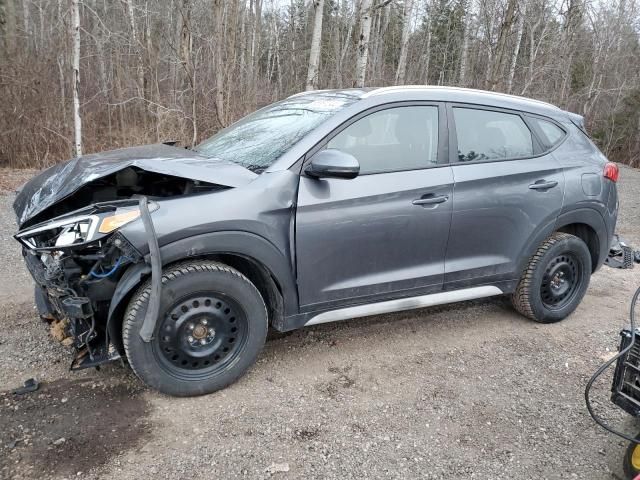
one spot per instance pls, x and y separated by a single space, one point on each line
397 88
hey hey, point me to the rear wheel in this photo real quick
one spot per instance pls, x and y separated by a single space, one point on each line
211 327
555 280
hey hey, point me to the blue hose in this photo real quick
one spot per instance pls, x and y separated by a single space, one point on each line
110 272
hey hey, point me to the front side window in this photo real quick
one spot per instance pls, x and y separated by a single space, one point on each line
399 138
486 135
259 139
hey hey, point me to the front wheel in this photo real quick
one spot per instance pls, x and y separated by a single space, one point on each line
211 327
555 280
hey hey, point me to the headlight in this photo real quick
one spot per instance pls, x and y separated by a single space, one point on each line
60 233
78 229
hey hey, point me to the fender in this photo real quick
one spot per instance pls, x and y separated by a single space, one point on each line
588 216
593 218
244 244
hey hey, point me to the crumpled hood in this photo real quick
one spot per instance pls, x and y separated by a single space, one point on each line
62 180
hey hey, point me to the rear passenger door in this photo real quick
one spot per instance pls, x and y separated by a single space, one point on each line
508 192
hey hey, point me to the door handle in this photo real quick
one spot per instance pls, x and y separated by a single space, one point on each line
431 200
543 185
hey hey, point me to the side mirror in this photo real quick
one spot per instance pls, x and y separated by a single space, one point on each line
331 163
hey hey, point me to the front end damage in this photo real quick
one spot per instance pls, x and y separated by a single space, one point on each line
70 215
76 261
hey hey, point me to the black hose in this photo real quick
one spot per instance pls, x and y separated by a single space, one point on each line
607 364
153 308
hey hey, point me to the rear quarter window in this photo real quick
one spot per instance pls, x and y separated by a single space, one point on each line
550 133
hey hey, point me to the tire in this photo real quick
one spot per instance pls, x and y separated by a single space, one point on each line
555 280
211 327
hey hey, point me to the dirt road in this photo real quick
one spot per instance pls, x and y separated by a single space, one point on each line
471 390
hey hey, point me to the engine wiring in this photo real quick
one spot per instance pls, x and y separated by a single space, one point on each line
605 366
110 272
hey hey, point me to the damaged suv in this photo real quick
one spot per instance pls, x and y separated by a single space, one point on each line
326 206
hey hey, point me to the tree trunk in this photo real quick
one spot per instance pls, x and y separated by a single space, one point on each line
466 20
347 39
496 67
218 12
8 26
516 48
77 120
314 55
137 46
404 42
255 44
363 43
427 49
26 20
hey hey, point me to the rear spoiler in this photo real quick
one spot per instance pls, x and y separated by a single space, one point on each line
578 121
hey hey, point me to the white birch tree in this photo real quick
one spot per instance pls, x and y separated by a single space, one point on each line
314 54
404 42
77 119
363 42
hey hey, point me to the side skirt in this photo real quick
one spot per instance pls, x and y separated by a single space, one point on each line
398 305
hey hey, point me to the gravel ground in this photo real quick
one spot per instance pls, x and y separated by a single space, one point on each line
470 390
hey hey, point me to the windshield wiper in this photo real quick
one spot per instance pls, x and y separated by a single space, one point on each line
255 168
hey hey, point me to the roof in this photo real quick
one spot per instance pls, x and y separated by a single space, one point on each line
451 94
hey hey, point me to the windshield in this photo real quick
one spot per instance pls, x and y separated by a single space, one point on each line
259 139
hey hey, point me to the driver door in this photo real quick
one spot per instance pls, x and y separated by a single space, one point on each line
384 233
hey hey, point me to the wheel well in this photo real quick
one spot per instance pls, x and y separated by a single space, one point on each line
588 235
264 281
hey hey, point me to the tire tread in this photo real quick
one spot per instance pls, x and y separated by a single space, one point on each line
141 296
521 298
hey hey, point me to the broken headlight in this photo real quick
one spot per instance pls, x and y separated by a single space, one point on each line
72 230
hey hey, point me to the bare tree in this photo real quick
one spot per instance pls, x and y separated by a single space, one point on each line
182 69
314 54
363 41
466 20
8 26
516 49
77 119
404 42
218 14
497 66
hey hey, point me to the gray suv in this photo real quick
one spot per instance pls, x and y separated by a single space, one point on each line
326 206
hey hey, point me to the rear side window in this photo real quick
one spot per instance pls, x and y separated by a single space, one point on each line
488 135
551 133
395 139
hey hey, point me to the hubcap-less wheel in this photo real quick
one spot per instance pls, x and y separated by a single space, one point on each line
555 279
200 334
560 281
211 326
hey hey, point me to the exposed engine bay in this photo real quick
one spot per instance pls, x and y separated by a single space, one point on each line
76 261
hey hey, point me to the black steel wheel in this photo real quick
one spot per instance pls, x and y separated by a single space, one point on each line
211 327
200 334
555 279
561 281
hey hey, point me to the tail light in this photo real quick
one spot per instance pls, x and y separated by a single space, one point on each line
611 172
